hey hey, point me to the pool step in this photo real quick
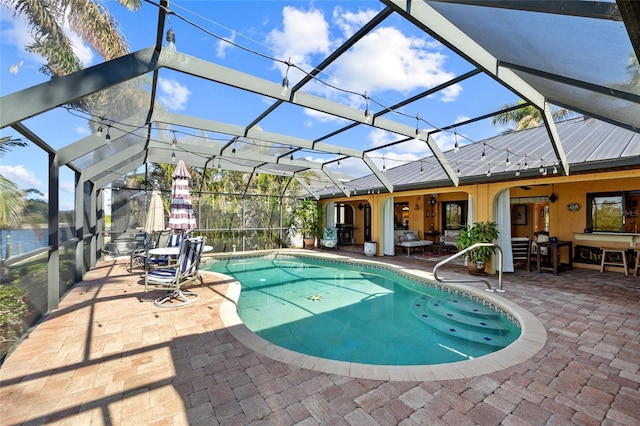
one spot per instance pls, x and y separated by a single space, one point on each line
457 316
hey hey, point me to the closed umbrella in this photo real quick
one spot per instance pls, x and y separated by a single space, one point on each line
155 215
181 217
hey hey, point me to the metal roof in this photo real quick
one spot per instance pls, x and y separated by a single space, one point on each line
581 55
591 145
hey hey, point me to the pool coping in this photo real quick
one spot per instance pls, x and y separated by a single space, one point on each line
532 339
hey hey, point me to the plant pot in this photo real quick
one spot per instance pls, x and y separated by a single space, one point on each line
370 248
309 242
476 268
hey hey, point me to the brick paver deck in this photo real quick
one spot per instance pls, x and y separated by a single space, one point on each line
108 356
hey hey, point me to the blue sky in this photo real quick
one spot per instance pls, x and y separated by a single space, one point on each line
393 62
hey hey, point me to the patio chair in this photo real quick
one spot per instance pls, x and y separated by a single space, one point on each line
171 239
545 256
329 238
140 256
174 276
521 251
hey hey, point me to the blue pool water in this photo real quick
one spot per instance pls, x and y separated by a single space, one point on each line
364 314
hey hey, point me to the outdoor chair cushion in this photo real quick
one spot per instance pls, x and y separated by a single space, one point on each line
411 236
329 238
185 270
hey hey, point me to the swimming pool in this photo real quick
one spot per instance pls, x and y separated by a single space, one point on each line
373 293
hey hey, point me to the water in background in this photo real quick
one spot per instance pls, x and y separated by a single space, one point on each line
26 240
22 241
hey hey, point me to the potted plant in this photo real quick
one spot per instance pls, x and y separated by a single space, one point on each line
479 232
309 221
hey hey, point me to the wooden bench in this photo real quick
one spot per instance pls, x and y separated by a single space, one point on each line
614 262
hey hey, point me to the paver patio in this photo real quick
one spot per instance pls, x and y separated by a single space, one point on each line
109 356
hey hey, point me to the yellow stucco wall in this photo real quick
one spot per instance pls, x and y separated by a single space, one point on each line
564 224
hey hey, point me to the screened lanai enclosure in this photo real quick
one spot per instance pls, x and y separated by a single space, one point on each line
230 221
272 125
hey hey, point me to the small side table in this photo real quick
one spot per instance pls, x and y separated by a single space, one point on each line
554 249
433 236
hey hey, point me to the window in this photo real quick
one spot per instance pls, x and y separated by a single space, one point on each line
613 212
454 214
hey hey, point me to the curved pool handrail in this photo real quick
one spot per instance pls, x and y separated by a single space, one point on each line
462 252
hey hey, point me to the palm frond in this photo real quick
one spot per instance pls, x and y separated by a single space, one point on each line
11 203
96 26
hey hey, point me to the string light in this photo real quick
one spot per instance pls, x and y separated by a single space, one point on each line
417 138
285 85
367 113
285 80
543 170
171 40
456 147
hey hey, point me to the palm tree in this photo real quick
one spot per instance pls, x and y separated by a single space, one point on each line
93 23
11 197
89 19
527 117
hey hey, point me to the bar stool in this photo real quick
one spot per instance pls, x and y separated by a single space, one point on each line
636 269
622 254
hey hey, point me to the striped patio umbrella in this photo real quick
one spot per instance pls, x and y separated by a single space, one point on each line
155 215
181 216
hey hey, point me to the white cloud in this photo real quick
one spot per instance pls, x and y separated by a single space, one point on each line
303 33
17 35
350 22
82 130
67 186
384 60
379 137
351 167
83 51
223 45
451 93
324 117
173 95
22 177
20 36
401 63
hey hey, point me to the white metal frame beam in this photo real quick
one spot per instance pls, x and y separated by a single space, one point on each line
427 18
